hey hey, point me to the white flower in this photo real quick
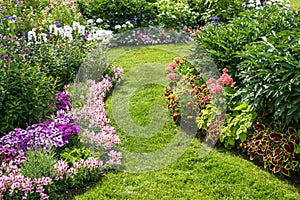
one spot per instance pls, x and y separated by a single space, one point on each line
173 16
43 36
118 27
99 20
68 29
89 22
124 26
51 28
75 25
251 5
31 35
81 29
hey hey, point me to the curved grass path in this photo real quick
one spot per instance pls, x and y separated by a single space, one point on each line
220 175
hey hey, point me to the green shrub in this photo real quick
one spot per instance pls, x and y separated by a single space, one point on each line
25 92
75 154
118 12
270 75
175 14
225 42
225 9
60 60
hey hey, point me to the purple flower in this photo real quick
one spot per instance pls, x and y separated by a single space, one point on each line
217 19
5 57
58 22
6 17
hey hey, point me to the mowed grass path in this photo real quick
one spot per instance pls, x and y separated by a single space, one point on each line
219 175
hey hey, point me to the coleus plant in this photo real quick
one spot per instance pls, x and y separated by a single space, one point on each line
276 146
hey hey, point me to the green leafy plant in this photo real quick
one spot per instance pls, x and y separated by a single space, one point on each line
237 125
75 154
25 92
224 43
275 145
225 10
270 75
118 12
39 163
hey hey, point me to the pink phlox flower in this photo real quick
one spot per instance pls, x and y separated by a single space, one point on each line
172 76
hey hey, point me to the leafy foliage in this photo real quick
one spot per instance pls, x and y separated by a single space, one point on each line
225 42
275 146
118 12
271 77
76 154
25 94
39 163
225 10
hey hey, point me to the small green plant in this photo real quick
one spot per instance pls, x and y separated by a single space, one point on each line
76 154
39 163
237 125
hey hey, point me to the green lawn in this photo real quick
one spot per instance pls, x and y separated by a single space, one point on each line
296 3
219 175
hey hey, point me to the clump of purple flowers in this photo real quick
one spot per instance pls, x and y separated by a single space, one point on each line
56 133
215 18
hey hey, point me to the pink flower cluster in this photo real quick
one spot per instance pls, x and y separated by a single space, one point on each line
216 86
94 113
173 64
15 183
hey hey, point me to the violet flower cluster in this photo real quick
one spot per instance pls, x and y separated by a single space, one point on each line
56 133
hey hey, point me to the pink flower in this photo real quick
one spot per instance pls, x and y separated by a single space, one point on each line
172 65
169 69
172 76
215 88
73 8
226 79
225 70
177 59
211 80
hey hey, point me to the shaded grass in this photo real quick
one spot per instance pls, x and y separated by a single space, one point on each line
219 175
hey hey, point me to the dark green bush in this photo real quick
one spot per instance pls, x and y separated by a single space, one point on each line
118 12
270 75
25 92
60 59
225 9
225 42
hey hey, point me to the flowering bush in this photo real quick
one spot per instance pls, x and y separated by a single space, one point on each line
37 14
207 97
150 36
62 50
91 115
50 176
121 15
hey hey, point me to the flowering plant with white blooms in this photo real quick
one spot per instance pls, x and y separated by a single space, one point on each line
259 3
60 50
